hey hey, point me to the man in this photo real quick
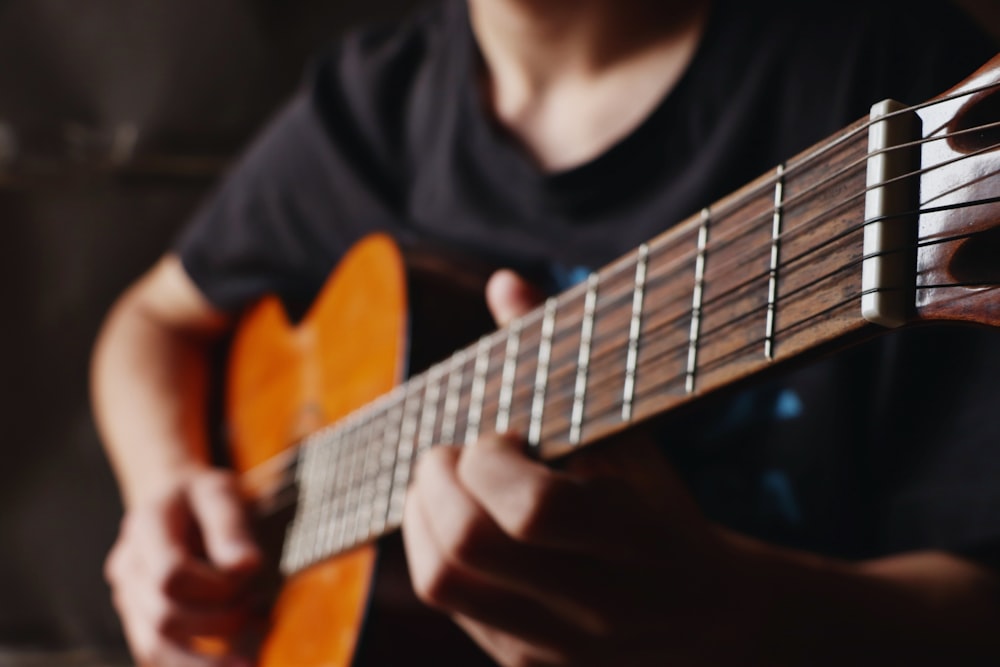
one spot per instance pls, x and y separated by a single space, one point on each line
561 134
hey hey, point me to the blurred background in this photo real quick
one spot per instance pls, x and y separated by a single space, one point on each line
117 117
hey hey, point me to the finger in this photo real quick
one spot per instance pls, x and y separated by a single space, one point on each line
225 530
537 505
158 553
155 648
433 575
470 552
445 585
508 295
181 622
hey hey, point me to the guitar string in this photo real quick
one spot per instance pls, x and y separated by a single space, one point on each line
362 484
901 146
752 344
614 408
682 317
757 342
671 352
802 163
747 227
669 381
822 150
413 383
676 379
623 298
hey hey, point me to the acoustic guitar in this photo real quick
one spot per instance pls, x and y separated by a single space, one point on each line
894 222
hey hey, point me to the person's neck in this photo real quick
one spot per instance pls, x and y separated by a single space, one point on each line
529 45
557 71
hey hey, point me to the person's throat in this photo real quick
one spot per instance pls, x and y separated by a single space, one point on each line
568 80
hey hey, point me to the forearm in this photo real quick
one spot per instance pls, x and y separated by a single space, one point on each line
923 608
149 385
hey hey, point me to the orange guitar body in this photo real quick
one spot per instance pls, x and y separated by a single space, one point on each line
381 314
286 381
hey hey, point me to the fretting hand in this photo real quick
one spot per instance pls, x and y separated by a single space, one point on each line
606 562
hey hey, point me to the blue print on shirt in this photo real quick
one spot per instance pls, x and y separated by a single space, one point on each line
563 278
776 498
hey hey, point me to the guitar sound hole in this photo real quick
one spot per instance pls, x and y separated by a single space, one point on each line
977 261
977 125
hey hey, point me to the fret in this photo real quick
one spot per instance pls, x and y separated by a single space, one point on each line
428 417
478 389
312 487
508 374
293 553
583 361
351 491
734 294
366 494
772 281
542 372
336 521
392 423
334 483
404 453
453 396
635 326
696 302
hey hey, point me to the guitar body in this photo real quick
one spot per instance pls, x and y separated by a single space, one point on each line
716 322
286 380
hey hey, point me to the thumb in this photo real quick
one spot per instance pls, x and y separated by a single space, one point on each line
508 295
225 529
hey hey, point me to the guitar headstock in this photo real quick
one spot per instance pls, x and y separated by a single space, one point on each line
958 253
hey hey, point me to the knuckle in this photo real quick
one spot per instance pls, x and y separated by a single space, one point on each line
163 620
214 482
434 463
438 586
533 518
168 579
465 541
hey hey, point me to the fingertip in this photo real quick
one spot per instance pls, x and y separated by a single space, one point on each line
238 557
508 296
503 282
506 440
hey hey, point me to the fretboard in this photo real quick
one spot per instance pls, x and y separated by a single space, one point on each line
757 278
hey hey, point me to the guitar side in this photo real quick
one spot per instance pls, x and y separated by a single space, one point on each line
285 381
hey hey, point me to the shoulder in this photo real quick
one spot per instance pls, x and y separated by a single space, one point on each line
365 86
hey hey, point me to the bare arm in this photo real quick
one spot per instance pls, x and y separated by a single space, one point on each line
149 380
184 555
919 608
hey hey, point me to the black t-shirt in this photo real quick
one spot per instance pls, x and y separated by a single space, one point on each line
889 447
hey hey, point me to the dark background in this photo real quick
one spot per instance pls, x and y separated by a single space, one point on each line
116 119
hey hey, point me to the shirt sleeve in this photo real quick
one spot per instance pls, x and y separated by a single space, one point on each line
262 230
326 171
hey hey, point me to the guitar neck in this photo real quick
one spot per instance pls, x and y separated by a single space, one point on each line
760 277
